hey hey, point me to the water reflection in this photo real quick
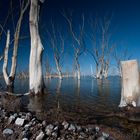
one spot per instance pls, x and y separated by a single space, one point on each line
58 93
100 87
77 96
36 104
59 83
71 98
78 87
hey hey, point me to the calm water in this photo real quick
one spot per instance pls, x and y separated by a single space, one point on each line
70 99
87 101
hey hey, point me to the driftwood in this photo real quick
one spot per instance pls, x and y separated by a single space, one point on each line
16 95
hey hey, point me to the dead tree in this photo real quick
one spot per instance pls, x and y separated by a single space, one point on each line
57 44
78 40
2 28
36 83
102 47
2 25
5 74
123 56
9 78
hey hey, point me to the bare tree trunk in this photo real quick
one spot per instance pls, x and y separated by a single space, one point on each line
106 68
99 73
77 68
130 83
58 68
106 73
35 66
103 47
57 44
5 74
16 40
78 72
79 50
10 79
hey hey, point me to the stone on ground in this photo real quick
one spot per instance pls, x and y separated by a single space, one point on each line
8 132
40 136
19 122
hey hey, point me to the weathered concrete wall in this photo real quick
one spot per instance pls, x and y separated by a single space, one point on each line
130 83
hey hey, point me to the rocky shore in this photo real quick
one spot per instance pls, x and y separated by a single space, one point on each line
25 126
17 123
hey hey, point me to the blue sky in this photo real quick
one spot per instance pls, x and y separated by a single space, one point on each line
125 28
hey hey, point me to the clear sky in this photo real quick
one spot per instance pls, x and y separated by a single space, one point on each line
125 28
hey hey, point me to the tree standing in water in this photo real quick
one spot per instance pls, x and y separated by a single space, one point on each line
36 83
9 79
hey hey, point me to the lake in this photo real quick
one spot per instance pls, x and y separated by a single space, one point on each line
80 101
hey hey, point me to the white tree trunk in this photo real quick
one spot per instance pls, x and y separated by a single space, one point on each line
35 66
16 42
106 69
99 74
106 73
5 74
130 83
78 69
99 71
78 74
58 68
9 79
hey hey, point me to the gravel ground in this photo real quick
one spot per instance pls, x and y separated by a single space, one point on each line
25 126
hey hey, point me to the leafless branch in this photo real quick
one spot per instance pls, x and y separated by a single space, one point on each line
3 30
102 48
56 41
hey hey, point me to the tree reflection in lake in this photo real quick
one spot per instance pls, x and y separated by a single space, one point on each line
85 101
71 98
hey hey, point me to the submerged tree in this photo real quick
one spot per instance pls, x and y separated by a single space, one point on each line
57 45
36 83
9 78
78 41
102 47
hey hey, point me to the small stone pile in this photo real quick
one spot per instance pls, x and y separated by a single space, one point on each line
25 126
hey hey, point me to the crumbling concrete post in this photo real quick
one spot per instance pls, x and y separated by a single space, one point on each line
130 83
